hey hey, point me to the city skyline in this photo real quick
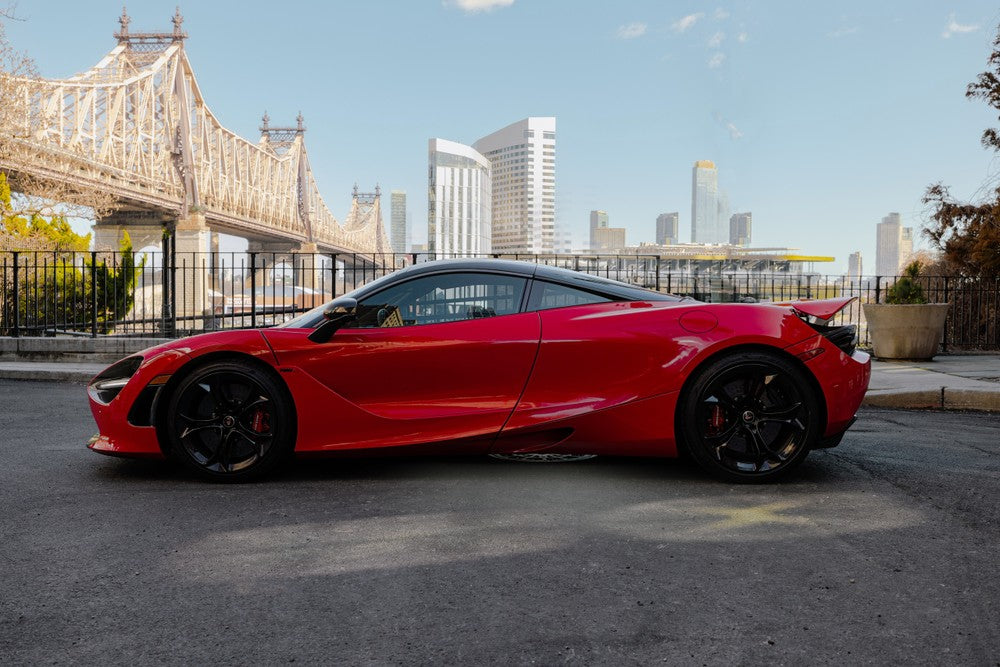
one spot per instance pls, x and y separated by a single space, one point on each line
810 144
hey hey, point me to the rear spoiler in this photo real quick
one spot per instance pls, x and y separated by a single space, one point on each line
821 309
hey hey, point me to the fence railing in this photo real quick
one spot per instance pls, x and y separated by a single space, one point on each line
174 294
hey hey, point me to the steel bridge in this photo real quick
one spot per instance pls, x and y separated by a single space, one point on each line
136 125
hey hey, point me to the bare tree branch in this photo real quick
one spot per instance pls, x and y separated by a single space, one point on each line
967 233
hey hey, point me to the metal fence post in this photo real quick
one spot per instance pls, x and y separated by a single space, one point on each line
878 288
253 290
948 319
17 298
93 294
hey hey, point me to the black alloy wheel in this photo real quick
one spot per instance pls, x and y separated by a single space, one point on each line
229 421
750 417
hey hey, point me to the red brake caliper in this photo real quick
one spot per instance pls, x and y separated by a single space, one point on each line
261 421
716 420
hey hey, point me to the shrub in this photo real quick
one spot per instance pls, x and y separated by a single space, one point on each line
907 290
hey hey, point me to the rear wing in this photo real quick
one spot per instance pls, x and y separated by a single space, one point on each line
821 309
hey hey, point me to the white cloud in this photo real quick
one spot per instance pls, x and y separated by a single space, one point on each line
742 38
953 27
734 132
631 31
716 60
843 32
478 5
721 14
716 40
680 25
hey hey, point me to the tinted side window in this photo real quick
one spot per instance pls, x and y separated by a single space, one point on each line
551 295
442 298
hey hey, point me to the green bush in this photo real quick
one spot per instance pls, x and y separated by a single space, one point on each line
907 290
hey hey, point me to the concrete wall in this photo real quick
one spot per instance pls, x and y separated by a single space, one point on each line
97 350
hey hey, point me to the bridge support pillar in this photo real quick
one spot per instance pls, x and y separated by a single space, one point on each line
283 266
192 265
109 233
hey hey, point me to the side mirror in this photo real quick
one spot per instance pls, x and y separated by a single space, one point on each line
340 312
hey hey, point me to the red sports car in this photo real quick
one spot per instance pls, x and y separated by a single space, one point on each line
491 356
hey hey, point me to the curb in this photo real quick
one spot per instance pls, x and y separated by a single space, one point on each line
72 375
944 398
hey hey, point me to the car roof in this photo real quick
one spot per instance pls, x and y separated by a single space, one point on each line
494 265
524 269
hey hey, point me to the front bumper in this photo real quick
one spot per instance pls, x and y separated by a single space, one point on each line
120 435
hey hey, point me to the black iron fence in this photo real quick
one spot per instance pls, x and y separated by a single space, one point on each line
174 294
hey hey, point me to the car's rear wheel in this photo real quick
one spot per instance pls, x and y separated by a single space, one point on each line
749 417
230 421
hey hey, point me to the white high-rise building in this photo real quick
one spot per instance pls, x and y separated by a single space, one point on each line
855 268
459 200
523 157
893 245
709 209
397 220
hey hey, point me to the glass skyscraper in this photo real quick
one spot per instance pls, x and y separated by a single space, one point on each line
397 220
709 210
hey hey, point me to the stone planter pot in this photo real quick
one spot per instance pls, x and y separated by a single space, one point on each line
905 331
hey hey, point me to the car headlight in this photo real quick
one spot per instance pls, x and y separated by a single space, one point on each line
113 379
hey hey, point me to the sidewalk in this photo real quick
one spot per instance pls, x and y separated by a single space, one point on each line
951 382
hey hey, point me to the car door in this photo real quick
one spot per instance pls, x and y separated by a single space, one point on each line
439 357
596 353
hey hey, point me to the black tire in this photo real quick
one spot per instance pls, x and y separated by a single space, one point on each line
230 422
749 417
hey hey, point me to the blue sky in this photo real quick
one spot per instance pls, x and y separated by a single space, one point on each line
822 117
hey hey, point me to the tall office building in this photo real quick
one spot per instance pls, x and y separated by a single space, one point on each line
459 200
666 228
598 220
905 246
523 157
893 245
709 212
854 267
740 226
397 220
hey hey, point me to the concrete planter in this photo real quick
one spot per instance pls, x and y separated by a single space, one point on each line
906 331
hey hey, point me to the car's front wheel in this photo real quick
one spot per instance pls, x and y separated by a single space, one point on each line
229 421
749 417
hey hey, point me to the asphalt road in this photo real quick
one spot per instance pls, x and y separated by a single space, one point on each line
883 550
